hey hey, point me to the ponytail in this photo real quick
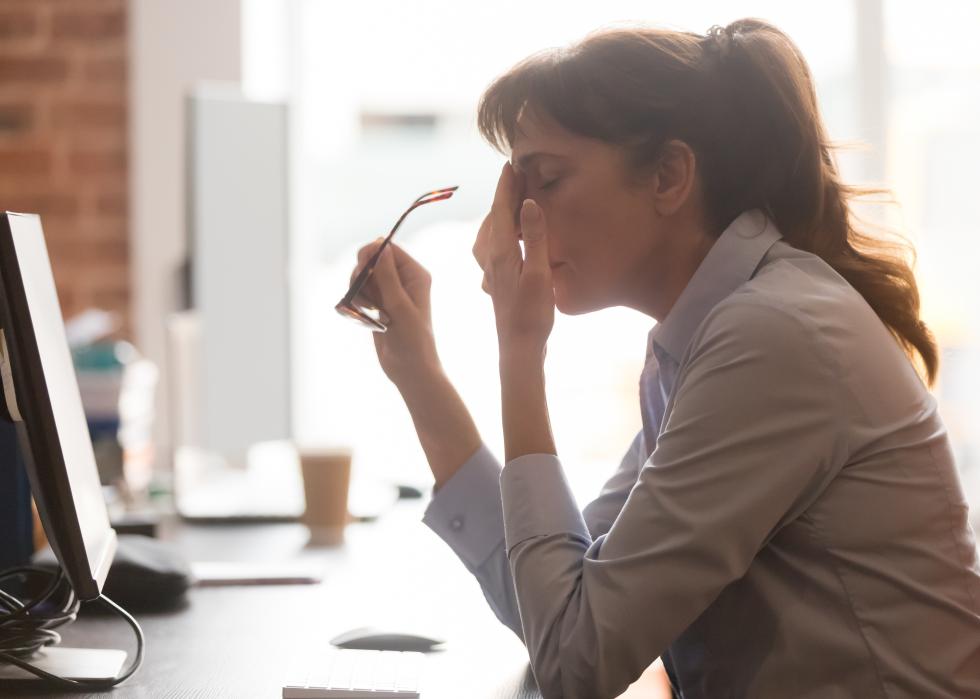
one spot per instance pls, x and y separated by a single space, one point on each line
774 106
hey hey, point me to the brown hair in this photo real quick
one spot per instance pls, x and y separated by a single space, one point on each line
743 99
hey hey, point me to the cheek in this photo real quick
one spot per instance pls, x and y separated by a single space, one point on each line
572 227
579 234
594 240
583 282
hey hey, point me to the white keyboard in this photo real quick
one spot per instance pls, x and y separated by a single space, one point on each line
358 674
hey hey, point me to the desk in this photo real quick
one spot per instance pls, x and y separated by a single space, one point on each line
237 642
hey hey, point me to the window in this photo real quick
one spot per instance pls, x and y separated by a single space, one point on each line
385 97
933 119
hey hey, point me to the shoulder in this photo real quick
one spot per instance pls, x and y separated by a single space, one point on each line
747 316
766 331
794 299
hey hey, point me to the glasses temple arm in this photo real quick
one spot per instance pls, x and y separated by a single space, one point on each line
362 278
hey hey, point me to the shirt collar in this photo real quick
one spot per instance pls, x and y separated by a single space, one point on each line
730 262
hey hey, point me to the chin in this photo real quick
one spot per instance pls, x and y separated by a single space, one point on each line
572 304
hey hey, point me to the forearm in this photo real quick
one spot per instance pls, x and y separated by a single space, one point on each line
444 426
524 405
466 513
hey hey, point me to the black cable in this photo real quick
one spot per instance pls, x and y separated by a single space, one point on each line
26 627
23 630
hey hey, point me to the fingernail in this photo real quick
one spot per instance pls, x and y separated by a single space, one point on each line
530 211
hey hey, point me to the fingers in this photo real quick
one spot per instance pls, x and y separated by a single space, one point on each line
503 233
482 243
367 296
395 280
535 230
496 248
404 261
520 189
535 266
364 256
389 284
415 278
481 251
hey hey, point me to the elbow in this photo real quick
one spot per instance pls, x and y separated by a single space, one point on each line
578 659
578 649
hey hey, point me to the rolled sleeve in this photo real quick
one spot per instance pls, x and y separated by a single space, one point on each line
466 512
537 501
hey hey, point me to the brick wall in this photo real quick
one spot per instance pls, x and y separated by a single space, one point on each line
63 140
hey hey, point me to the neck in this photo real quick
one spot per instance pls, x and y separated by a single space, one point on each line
664 276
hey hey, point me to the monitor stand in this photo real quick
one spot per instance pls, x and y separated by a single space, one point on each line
70 663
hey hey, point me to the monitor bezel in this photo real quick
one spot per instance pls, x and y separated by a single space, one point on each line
38 433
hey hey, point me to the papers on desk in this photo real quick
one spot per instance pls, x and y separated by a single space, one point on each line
218 573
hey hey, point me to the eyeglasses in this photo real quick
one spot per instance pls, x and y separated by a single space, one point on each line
371 317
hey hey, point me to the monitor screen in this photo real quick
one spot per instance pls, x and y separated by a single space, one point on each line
47 408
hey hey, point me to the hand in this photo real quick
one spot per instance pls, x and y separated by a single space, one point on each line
400 288
520 286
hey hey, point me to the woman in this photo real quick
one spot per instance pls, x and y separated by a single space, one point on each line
789 522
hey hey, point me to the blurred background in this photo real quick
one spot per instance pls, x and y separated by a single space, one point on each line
206 169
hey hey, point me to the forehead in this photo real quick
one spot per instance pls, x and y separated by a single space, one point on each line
538 132
538 135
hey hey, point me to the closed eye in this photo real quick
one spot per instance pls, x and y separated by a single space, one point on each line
550 184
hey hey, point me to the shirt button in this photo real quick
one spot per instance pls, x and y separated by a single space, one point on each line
456 523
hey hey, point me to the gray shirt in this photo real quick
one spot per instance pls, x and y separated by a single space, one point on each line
789 522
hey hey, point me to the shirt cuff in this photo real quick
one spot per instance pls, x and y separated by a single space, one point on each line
465 512
537 500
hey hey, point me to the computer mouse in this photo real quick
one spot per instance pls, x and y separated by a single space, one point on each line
146 574
407 491
370 638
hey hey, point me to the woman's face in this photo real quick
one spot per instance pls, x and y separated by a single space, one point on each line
602 230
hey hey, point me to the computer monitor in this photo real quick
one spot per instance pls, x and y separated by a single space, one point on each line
41 397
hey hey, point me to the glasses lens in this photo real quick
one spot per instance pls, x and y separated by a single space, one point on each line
365 316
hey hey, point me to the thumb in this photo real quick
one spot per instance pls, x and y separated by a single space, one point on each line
534 231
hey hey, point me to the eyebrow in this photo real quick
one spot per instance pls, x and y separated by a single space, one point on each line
525 160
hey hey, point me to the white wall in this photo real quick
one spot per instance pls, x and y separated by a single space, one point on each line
172 45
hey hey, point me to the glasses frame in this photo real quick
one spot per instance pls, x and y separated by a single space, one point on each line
346 306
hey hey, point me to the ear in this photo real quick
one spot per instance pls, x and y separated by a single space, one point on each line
673 177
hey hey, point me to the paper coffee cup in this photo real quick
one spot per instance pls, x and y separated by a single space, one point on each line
326 482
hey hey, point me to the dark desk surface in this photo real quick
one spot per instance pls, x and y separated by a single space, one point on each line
239 641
